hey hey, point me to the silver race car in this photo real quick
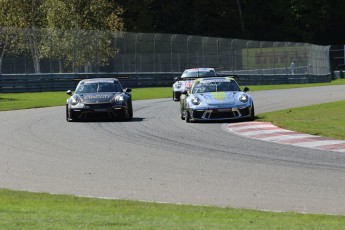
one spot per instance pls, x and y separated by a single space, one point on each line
186 80
217 98
99 97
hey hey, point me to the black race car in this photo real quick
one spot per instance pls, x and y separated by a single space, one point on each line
99 97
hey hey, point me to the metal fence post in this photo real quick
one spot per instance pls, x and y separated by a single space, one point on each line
96 55
233 57
286 58
261 44
154 53
74 50
274 58
51 52
203 51
25 53
188 39
171 51
248 44
135 52
218 59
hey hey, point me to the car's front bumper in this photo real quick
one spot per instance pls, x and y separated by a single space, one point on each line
220 113
98 110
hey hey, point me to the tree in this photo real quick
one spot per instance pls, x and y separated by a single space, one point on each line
80 28
43 20
28 15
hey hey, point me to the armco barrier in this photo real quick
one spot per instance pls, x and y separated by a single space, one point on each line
62 82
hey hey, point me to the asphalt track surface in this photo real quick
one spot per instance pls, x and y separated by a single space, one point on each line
158 157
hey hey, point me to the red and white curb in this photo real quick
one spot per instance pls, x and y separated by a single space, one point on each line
268 132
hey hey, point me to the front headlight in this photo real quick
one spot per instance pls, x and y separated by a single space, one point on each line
243 98
195 101
75 100
119 99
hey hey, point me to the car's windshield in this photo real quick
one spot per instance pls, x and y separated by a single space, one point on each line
195 74
215 86
98 86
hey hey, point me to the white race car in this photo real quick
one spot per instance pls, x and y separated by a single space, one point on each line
217 98
184 82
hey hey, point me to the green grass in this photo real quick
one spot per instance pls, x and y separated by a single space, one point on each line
290 86
152 93
323 120
13 101
24 210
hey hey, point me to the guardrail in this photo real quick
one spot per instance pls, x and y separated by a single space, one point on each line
62 82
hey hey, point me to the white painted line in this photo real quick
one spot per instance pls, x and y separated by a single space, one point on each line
319 143
252 127
339 150
253 133
287 137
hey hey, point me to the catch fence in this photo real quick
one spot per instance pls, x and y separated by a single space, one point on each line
57 51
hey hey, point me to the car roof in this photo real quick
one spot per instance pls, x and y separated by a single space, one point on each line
214 79
100 79
200 69
197 71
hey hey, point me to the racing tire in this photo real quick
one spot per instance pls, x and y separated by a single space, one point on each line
252 113
174 97
125 114
182 115
69 115
187 117
130 108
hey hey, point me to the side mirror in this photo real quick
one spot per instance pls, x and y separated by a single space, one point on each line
69 92
128 90
246 89
176 78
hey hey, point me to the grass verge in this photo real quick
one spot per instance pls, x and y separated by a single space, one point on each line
14 101
24 210
290 86
323 119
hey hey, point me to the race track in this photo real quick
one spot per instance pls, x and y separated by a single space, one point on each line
159 157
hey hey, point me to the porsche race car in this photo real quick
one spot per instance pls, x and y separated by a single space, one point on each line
186 80
218 98
99 97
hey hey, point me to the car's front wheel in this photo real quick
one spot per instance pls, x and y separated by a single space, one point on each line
130 108
187 116
182 114
176 96
127 114
69 114
252 113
